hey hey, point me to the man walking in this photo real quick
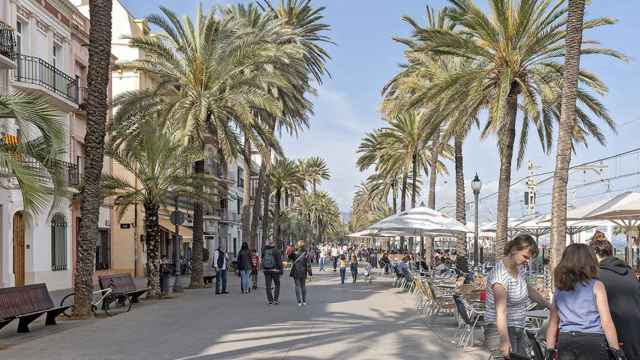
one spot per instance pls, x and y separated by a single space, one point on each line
323 256
334 256
220 262
272 267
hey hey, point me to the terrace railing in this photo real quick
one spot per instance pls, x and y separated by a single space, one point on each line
7 41
34 70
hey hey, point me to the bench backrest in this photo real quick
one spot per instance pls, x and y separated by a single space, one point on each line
117 282
23 300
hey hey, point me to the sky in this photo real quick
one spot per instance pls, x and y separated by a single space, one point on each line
365 57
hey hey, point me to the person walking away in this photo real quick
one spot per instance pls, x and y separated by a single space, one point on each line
300 268
220 263
385 262
354 268
623 294
290 250
323 256
272 268
255 267
334 257
343 268
508 296
244 267
580 310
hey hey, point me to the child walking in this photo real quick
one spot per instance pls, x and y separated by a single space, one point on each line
255 267
343 268
580 310
354 268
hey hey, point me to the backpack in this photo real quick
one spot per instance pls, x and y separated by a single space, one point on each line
268 260
220 259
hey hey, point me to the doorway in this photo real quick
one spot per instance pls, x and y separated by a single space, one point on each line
18 248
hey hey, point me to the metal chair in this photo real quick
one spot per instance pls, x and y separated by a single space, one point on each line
471 319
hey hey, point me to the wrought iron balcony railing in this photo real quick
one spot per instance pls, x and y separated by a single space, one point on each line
7 41
34 70
69 171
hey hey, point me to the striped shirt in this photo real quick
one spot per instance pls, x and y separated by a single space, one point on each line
517 295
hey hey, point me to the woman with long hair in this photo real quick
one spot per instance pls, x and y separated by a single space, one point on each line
300 268
244 267
580 310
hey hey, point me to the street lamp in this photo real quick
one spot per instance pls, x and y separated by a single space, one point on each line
476 186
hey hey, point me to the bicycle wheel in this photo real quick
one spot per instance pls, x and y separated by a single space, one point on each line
122 304
106 303
69 300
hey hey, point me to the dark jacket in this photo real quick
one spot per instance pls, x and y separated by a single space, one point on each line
277 256
623 293
301 266
244 260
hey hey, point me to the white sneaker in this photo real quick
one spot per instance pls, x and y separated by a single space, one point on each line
299 304
304 304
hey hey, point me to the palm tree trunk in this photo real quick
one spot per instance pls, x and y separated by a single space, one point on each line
403 204
507 137
394 195
257 202
198 235
266 205
152 236
573 43
90 200
461 216
246 195
276 219
433 180
414 167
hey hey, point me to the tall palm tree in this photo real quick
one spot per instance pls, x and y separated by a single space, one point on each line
97 105
209 83
573 44
285 180
514 52
314 170
157 162
33 163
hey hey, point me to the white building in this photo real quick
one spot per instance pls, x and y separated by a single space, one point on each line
37 248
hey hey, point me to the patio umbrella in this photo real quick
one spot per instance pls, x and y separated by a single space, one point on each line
576 222
534 226
420 221
623 210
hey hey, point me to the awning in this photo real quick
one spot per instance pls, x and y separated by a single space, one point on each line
185 232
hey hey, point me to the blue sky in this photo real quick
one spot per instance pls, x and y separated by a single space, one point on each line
365 57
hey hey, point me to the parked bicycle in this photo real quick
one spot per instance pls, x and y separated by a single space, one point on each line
101 299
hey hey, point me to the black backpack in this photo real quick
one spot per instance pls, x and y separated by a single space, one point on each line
220 259
268 260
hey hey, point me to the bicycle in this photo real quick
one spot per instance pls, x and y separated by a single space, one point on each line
102 299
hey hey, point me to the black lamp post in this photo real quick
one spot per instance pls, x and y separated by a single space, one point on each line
476 186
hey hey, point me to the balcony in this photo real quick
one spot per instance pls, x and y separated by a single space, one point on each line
34 74
7 47
83 96
69 171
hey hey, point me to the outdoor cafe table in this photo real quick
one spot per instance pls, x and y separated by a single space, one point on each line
538 316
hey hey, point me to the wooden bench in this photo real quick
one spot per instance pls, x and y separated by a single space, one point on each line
121 285
26 304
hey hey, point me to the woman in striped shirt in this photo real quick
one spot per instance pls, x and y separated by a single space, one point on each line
508 297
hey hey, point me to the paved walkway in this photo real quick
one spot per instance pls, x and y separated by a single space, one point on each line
350 322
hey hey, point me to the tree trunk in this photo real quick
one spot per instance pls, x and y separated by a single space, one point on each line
257 202
573 43
152 237
433 180
403 205
507 136
276 220
461 216
414 168
246 196
90 199
266 205
197 244
394 194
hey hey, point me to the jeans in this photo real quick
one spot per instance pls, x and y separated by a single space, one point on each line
582 346
322 261
343 274
244 280
517 337
301 289
335 263
274 276
221 279
354 275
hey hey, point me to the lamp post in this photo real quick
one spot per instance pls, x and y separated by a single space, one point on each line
476 186
177 219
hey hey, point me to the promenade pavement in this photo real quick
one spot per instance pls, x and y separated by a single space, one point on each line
357 322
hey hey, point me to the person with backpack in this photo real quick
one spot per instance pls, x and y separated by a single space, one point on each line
244 267
300 268
272 268
580 311
220 263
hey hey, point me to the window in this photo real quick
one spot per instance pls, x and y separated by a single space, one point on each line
19 34
224 203
103 250
240 177
58 243
239 204
57 55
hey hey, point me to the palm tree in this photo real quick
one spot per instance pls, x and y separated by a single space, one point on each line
209 83
573 44
314 170
33 163
158 163
523 75
285 180
97 105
